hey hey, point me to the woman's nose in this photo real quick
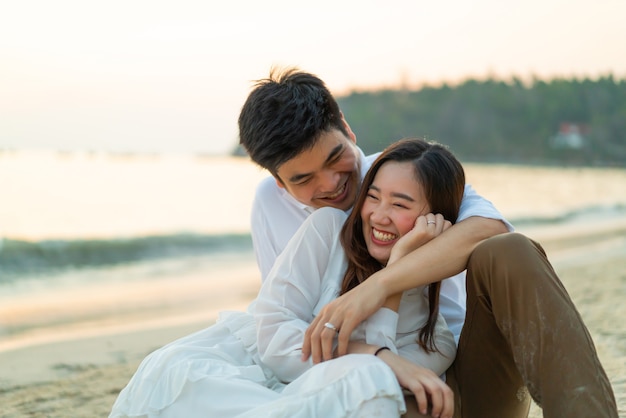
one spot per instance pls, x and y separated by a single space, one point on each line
380 214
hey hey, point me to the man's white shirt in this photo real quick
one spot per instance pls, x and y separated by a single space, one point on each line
276 216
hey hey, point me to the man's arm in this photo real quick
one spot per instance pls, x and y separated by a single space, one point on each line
442 257
436 260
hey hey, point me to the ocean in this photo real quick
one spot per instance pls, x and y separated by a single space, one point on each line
69 220
62 212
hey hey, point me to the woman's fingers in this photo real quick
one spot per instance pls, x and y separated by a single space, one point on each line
326 342
344 314
428 388
320 335
435 224
318 339
441 398
434 395
306 344
436 401
421 398
350 322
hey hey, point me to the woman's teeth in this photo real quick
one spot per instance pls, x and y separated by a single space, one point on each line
383 236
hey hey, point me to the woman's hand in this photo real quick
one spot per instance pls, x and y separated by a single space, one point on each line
428 388
426 228
345 313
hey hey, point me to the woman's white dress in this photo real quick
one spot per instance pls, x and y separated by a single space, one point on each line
248 364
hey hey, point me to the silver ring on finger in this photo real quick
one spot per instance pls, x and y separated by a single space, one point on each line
331 326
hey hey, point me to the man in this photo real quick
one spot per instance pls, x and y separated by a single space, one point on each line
292 126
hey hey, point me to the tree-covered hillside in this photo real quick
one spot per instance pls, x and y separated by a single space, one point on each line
567 121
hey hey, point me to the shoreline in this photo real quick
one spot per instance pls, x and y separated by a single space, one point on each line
67 315
64 313
81 365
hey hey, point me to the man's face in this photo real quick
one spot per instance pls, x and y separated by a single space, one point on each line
326 175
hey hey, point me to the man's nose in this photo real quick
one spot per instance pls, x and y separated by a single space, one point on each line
329 180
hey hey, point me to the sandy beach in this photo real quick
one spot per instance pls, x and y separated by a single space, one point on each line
77 367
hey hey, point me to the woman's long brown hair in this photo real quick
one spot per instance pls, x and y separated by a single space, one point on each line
442 177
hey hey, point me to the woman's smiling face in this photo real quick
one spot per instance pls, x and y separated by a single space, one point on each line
394 201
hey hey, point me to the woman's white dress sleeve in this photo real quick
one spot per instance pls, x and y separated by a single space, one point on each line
306 276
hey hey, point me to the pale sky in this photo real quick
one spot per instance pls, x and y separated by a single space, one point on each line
159 76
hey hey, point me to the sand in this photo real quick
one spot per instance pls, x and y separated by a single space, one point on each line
75 368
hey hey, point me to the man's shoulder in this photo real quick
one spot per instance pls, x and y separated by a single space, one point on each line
267 193
372 157
267 186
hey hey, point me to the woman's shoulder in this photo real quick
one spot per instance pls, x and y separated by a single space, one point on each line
326 222
328 215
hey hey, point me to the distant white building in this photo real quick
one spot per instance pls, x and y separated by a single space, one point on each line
571 136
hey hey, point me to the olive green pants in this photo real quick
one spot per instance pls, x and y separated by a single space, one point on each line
522 338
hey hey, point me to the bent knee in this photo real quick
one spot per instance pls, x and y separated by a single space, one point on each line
509 246
510 242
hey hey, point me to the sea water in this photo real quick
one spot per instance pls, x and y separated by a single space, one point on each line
69 219
79 232
61 211
67 211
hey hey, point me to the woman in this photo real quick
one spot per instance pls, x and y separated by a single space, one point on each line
252 365
523 337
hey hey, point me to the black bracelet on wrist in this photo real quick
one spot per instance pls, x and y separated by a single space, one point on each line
381 349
